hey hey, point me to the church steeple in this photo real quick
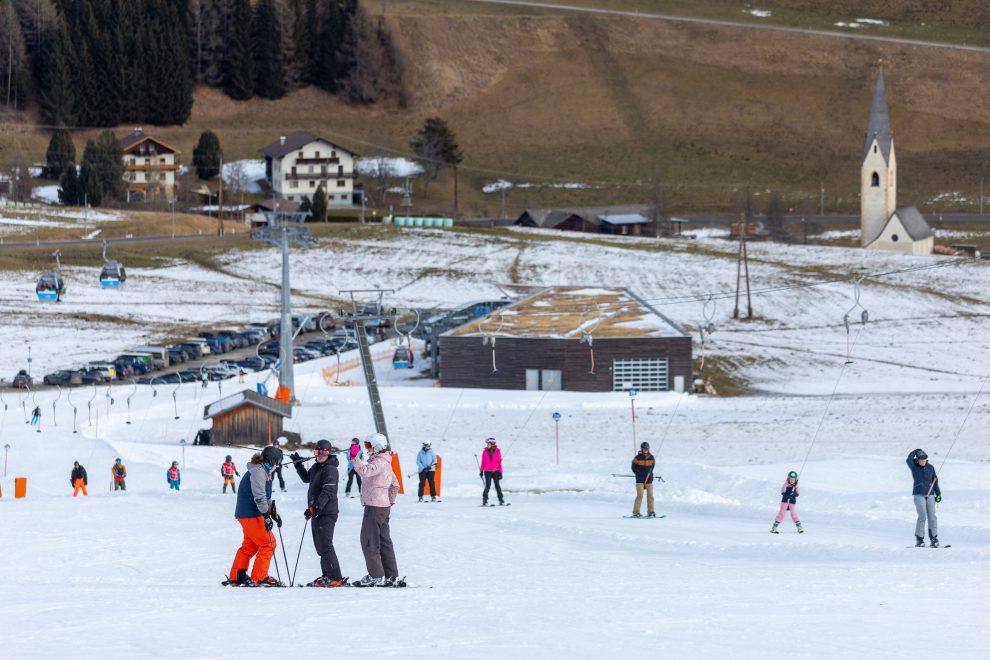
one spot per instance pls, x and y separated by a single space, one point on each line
879 126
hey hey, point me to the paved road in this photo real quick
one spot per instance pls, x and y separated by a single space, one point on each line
739 24
99 241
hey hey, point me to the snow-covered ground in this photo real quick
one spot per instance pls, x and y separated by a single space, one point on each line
560 573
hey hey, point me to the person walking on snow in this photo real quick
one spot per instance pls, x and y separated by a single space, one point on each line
278 468
491 470
354 451
227 471
255 511
321 500
426 462
378 495
643 466
788 502
79 480
36 415
119 473
173 476
240 376
926 494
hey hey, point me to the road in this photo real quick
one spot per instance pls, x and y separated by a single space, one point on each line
738 24
97 241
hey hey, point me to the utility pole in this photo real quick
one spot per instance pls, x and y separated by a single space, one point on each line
742 261
821 202
220 202
503 202
286 380
455 188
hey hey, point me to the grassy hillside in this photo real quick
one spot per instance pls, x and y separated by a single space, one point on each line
545 97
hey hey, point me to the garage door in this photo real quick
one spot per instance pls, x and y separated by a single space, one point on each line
645 374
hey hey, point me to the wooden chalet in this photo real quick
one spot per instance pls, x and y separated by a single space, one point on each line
246 418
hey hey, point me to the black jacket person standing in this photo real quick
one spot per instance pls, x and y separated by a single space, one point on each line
322 510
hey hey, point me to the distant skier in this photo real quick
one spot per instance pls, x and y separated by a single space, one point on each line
240 376
256 513
643 466
119 474
322 509
277 443
173 476
36 415
354 451
788 502
925 485
227 471
491 470
204 380
378 495
426 462
79 480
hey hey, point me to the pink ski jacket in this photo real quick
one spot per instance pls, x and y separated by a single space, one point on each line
491 461
379 486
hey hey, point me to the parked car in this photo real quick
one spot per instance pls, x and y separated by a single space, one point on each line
107 370
124 368
93 376
193 349
253 363
22 380
63 377
177 355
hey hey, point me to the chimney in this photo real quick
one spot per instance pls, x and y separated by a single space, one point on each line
281 140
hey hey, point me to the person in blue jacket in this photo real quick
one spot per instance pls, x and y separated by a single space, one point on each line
426 463
926 495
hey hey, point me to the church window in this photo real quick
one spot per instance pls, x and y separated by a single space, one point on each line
874 148
875 180
893 238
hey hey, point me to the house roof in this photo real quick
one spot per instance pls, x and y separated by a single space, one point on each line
249 398
879 126
914 223
294 141
129 142
550 218
570 312
625 219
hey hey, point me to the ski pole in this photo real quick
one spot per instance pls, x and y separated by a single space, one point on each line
271 544
478 461
292 580
284 556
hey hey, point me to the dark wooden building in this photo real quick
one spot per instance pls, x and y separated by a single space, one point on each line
569 338
589 219
246 418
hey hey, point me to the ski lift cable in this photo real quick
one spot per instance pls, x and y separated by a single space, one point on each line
960 430
528 418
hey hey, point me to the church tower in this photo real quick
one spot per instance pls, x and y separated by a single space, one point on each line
878 176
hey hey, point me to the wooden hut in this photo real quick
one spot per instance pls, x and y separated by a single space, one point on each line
246 418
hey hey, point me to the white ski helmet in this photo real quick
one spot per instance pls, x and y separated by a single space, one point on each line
377 441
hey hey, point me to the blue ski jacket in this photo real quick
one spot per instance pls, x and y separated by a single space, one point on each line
426 460
923 477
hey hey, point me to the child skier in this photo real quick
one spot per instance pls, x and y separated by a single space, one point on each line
173 476
255 511
788 499
119 473
227 471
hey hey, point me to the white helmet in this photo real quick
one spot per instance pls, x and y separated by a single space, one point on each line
377 441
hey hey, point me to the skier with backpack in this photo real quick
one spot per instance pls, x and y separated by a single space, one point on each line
643 465
255 511
355 450
788 502
227 471
490 469
322 510
173 476
378 496
119 474
926 494
426 463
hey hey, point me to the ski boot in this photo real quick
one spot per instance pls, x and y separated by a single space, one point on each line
800 529
421 499
433 498
636 514
774 530
393 582
242 580
934 543
324 581
651 514
501 503
919 541
368 581
269 581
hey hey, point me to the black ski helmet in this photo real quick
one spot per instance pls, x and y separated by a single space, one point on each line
355 441
324 445
229 458
920 454
271 455
644 445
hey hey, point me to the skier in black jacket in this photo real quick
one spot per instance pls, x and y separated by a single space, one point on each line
927 494
322 510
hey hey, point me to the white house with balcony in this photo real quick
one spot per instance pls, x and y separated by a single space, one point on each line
149 167
297 163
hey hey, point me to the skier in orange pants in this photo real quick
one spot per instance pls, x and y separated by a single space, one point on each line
255 511
79 480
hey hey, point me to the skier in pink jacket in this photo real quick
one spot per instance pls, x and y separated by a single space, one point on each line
490 470
378 490
788 502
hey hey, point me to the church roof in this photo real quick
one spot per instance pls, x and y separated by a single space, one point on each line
879 126
914 223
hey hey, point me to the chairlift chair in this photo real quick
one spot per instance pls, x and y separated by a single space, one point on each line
113 274
51 286
403 358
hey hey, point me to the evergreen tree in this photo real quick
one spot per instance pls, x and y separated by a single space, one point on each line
305 206
14 66
238 64
61 154
106 158
436 146
56 97
269 62
68 192
207 155
318 207
89 191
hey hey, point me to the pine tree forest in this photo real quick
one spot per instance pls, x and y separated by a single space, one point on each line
91 63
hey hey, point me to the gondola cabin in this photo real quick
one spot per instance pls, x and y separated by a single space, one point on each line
403 358
50 287
113 275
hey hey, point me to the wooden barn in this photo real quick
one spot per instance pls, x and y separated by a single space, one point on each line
580 339
246 418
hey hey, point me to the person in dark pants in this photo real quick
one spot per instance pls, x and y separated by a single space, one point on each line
322 478
354 452
926 494
380 488
278 470
491 470
426 463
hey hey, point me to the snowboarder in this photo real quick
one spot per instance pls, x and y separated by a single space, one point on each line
355 450
426 462
788 502
925 485
36 415
119 473
378 495
227 471
173 476
642 466
78 479
491 470
277 444
322 509
256 513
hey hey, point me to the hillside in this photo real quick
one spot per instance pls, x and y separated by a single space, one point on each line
608 102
